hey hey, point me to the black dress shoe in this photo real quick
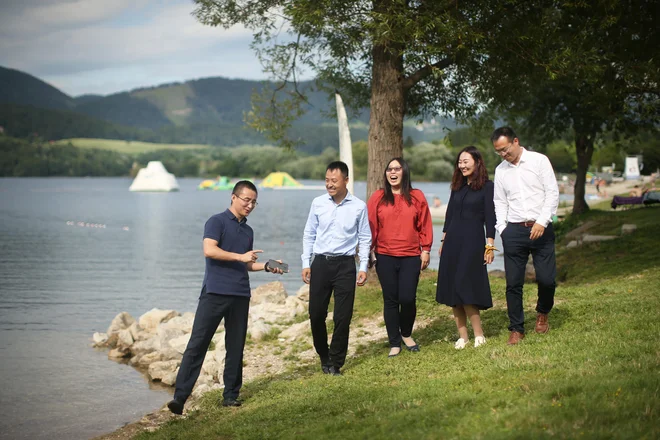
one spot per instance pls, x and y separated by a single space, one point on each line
176 406
334 371
325 369
231 402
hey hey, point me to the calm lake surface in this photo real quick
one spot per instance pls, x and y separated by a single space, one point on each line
62 279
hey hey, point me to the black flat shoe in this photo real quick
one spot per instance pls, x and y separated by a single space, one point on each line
414 348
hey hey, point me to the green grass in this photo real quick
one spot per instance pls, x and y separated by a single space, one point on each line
132 147
595 375
622 257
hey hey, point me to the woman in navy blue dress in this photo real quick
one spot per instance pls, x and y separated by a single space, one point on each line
465 249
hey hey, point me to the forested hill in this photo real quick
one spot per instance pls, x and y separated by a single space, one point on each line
202 101
21 88
207 111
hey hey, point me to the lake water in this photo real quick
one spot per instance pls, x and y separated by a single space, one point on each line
63 278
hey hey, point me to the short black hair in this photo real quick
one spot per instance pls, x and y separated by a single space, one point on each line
338 165
243 184
503 131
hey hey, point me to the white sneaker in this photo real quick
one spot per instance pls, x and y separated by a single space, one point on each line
460 344
479 340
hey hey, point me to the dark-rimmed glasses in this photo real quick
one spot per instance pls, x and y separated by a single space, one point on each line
248 201
393 169
504 150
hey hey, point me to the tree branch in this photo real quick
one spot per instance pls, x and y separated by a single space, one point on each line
425 71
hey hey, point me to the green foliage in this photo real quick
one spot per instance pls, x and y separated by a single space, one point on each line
361 159
580 67
22 158
430 162
562 156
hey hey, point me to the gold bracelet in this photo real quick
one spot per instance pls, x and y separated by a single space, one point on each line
490 247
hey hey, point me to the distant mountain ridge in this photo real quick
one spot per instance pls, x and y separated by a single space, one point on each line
207 110
21 88
199 101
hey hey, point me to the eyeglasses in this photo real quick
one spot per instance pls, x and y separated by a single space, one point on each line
247 201
504 150
393 169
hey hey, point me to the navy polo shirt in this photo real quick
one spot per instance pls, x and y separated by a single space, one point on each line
228 277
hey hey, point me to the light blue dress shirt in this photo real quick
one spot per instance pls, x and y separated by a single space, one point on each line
337 229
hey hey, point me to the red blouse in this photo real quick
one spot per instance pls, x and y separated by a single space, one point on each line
400 230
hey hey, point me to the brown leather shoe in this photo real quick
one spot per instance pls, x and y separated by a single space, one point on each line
542 325
515 338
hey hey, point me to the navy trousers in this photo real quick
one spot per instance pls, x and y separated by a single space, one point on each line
517 247
211 310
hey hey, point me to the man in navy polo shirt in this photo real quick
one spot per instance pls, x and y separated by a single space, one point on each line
228 248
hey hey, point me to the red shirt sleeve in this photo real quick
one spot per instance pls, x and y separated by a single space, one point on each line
372 212
424 221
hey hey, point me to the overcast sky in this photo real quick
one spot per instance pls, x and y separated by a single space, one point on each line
107 46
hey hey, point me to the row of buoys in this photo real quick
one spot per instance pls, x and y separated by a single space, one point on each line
93 225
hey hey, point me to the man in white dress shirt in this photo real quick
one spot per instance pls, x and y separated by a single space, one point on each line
526 199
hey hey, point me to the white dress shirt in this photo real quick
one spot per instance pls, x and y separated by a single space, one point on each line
526 191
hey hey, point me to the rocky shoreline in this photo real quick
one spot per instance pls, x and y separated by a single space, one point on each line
279 338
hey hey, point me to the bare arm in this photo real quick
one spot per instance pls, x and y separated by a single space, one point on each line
213 251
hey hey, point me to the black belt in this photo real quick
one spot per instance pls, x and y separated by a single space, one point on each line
527 224
335 257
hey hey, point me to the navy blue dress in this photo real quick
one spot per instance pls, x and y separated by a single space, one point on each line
462 275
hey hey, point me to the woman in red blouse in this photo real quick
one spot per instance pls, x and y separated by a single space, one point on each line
402 235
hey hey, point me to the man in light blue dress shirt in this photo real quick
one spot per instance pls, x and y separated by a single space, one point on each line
337 225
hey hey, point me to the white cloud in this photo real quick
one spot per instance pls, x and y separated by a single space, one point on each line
45 18
104 46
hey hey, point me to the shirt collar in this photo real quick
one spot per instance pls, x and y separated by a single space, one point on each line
522 158
348 197
233 217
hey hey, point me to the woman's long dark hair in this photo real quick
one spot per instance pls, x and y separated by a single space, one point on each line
406 186
479 175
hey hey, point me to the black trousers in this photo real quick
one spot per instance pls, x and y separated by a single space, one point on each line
328 275
210 311
398 278
517 247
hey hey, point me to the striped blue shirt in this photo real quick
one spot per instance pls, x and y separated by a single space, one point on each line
337 229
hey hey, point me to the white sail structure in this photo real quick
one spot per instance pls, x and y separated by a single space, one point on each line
345 145
154 178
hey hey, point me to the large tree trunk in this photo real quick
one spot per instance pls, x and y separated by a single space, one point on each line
584 147
387 110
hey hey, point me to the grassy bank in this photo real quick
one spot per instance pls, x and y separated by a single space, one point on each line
132 147
595 375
